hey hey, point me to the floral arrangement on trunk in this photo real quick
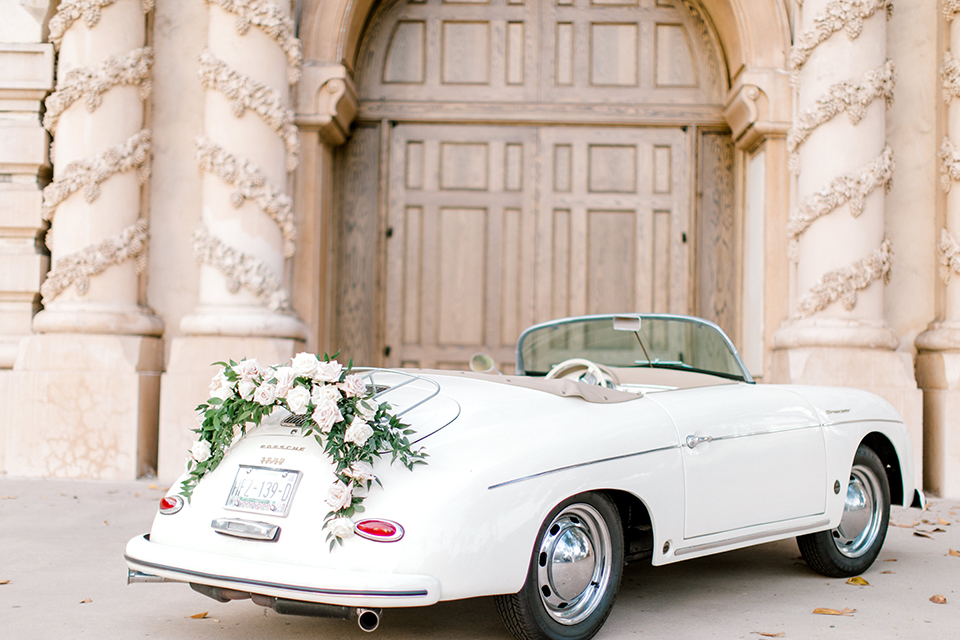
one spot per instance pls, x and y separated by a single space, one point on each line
344 417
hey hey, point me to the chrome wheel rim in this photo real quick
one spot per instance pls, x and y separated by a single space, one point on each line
574 563
862 514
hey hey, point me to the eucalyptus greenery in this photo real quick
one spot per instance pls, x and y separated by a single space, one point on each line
338 409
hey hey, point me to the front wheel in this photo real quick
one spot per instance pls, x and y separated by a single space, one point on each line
574 573
851 548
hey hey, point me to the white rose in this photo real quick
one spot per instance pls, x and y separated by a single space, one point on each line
297 400
265 394
285 377
200 451
221 387
339 495
353 385
325 392
248 369
305 364
367 409
358 432
327 414
341 527
246 389
360 471
328 371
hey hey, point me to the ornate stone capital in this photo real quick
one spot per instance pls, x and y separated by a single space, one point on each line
327 101
748 113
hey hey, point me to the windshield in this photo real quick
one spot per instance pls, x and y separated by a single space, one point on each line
674 342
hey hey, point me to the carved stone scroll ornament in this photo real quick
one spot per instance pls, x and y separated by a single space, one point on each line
949 164
850 188
850 97
241 270
950 77
843 284
91 84
77 268
70 11
847 15
250 184
950 9
267 17
87 174
949 250
245 93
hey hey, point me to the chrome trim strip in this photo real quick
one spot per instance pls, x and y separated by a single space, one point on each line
861 421
580 464
277 585
753 536
247 529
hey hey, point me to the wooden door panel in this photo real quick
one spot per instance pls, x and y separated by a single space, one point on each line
613 217
461 197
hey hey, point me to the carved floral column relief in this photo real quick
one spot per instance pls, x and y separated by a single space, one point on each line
249 146
103 79
949 157
839 256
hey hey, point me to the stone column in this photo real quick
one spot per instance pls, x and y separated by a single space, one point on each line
84 388
26 76
247 230
837 333
938 358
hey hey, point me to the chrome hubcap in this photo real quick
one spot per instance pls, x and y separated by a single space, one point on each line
573 564
862 516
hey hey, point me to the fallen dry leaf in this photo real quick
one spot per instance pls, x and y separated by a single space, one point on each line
153 486
922 534
199 616
886 572
8 497
890 560
942 521
954 553
779 634
4 582
857 580
906 526
939 530
86 601
938 599
834 612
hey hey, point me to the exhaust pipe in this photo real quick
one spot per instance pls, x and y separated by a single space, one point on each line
368 619
134 576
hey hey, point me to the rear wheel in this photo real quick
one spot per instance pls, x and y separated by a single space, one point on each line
574 573
851 548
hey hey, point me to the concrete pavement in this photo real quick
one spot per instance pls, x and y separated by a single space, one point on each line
61 549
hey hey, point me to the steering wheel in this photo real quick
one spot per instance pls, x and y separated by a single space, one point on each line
602 375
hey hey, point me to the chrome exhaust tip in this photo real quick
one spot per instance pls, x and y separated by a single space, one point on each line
134 576
368 619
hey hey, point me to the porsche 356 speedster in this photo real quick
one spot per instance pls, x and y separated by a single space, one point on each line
619 438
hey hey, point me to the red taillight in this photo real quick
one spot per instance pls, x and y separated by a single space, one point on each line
379 530
170 505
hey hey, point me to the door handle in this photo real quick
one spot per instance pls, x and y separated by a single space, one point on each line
693 441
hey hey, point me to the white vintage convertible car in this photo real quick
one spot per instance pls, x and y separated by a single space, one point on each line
620 438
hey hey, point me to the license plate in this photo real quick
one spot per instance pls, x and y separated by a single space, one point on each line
263 490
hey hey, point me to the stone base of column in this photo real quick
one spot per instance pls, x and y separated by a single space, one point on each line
186 384
938 375
81 406
889 374
243 321
97 318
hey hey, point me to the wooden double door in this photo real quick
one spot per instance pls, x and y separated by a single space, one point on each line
490 229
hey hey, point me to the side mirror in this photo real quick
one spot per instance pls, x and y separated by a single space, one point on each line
482 363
